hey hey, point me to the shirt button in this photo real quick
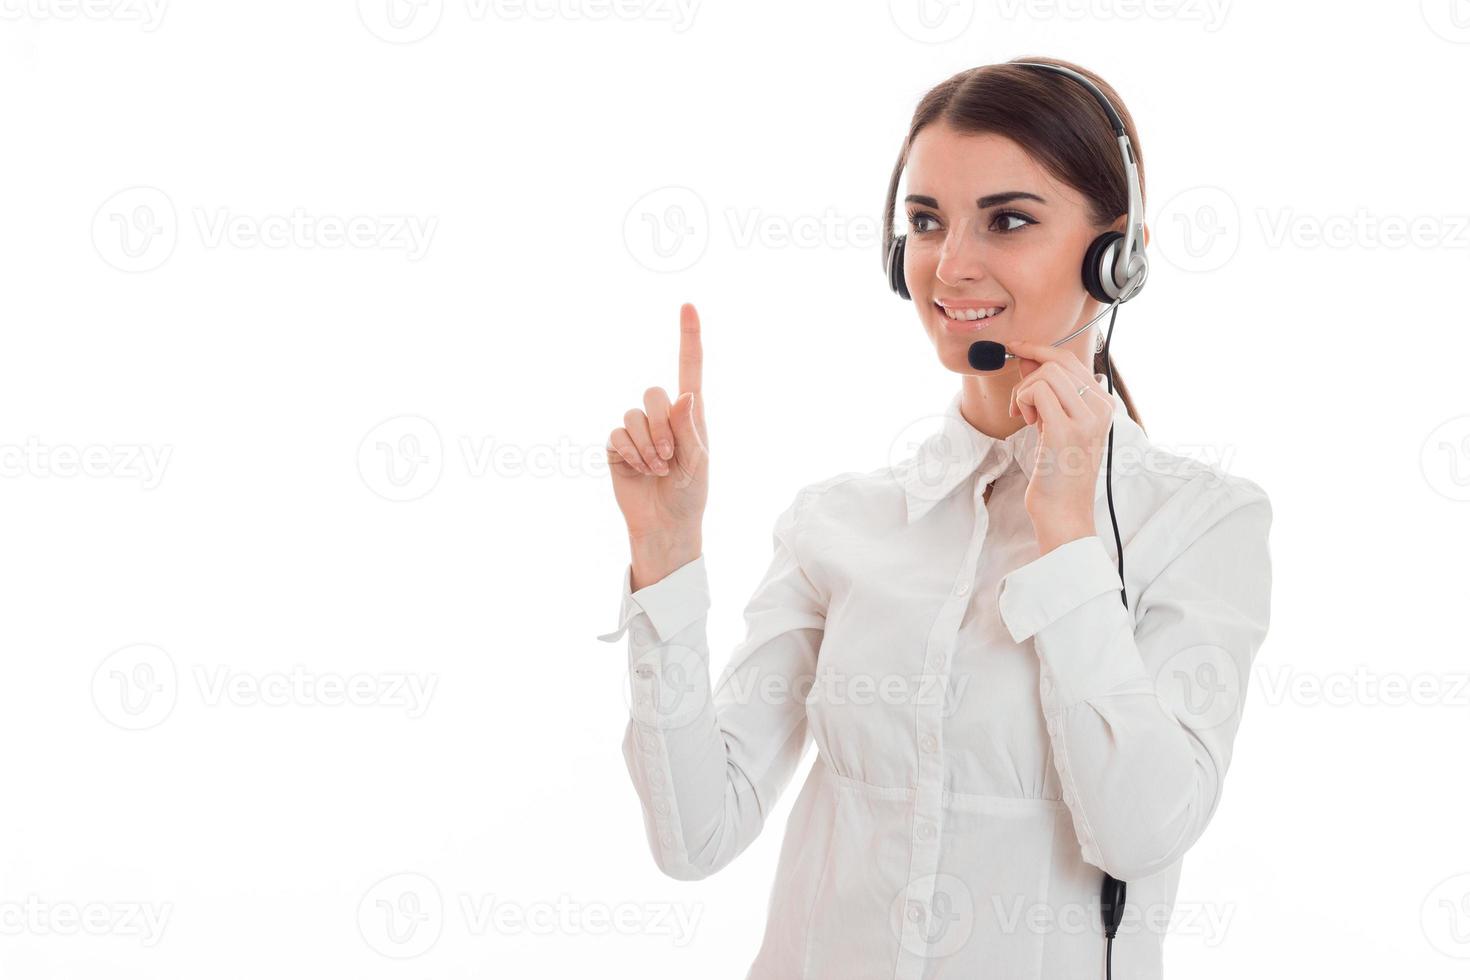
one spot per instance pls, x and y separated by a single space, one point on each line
962 588
660 804
929 743
667 840
926 831
1067 797
914 913
656 777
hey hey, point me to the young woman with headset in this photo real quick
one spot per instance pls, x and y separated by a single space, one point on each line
1012 756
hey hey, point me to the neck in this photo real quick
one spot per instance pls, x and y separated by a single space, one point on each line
985 403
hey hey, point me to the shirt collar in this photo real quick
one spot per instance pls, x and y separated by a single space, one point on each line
945 459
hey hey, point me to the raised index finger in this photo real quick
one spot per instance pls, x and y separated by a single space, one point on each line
691 352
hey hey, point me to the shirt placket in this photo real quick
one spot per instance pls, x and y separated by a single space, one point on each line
930 898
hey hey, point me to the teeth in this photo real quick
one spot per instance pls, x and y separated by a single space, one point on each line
971 314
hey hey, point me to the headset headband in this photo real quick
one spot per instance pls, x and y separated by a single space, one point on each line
1130 266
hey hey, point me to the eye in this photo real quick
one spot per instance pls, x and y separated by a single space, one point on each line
1004 215
917 216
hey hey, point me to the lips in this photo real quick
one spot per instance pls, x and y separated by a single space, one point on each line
968 326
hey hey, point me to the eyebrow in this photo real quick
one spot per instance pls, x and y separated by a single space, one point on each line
988 201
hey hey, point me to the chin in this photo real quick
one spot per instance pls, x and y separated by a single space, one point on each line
955 358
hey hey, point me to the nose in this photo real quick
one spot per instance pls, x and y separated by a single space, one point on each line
960 256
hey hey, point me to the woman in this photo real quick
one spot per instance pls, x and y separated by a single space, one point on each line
996 730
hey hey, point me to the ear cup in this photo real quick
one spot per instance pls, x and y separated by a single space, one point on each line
1097 267
895 267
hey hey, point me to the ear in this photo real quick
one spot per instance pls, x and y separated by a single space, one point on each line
1145 234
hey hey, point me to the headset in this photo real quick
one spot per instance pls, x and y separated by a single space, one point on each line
1114 269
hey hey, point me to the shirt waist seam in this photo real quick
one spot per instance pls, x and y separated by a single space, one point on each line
949 797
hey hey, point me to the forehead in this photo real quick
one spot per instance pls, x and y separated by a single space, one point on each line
947 163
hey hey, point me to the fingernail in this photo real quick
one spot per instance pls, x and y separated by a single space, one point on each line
665 450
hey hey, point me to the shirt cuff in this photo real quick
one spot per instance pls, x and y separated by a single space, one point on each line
1044 590
671 603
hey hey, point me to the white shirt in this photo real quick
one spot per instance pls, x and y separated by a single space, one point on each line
993 729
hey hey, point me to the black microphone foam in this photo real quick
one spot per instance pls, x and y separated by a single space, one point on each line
987 355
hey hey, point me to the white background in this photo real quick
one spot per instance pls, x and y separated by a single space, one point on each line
238 450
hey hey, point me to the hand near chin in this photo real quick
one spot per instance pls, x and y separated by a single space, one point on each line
1072 413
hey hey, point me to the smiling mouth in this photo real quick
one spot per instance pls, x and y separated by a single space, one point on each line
968 320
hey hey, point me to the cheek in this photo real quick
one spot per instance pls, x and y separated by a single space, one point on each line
1045 292
919 261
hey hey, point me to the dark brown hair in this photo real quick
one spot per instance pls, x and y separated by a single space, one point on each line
1053 118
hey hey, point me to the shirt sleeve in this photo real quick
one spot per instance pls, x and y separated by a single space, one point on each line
709 761
1142 719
